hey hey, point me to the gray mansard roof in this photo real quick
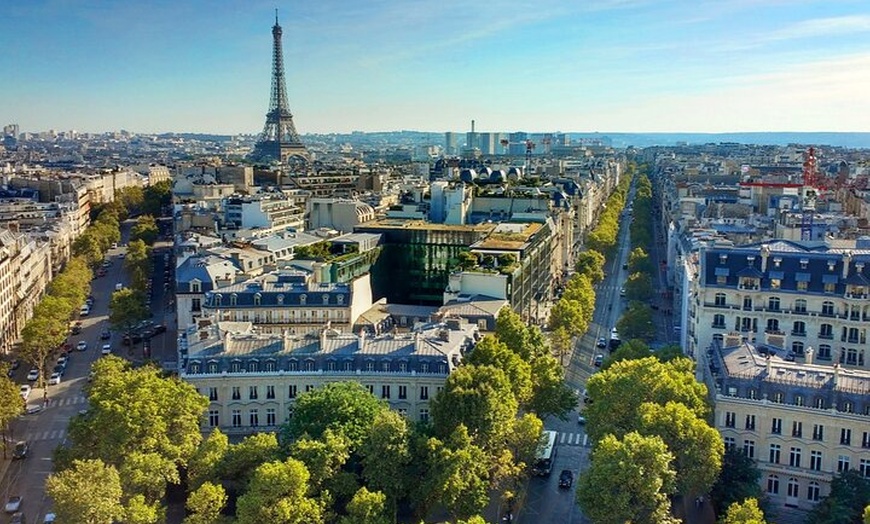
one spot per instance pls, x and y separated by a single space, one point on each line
437 349
281 288
205 269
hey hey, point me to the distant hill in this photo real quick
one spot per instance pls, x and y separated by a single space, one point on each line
850 140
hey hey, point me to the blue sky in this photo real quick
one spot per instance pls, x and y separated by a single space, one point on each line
379 65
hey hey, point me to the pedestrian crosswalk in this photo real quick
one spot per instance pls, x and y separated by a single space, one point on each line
67 401
55 434
571 439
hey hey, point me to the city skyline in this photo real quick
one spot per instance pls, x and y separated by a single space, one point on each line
605 66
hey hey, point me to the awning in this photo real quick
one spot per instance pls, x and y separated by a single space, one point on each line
802 277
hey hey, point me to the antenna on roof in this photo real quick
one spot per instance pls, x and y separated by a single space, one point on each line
276 16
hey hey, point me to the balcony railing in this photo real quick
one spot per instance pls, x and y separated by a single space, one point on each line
798 333
826 336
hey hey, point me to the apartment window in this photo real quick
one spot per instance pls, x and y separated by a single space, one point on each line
252 392
280 299
385 391
798 400
253 366
309 365
800 306
719 321
820 403
773 454
813 491
258 299
371 389
370 366
842 463
773 303
747 303
865 440
816 460
293 365
212 367
749 448
403 392
348 365
195 287
799 328
773 484
846 436
270 392
424 415
804 262
303 298
864 468
818 432
775 283
213 418
730 443
424 392
424 367
752 394
403 367
828 308
212 394
237 418
309 387
802 286
270 417
797 347
730 419
778 398
797 429
236 366
271 366
254 418
776 426
291 392
793 487
237 393
340 299
794 457
830 288
750 422
720 299
402 411
824 349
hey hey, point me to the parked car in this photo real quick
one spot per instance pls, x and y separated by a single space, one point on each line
17 518
24 391
602 343
33 375
54 380
159 328
82 345
21 450
75 330
49 518
85 310
599 359
581 419
63 360
59 369
107 349
105 335
13 504
566 478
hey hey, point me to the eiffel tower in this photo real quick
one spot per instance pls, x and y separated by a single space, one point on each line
279 140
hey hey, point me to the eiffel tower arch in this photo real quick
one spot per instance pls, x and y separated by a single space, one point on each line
279 140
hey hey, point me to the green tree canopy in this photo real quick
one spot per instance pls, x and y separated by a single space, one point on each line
568 315
630 350
490 351
850 494
618 392
205 503
277 495
156 197
242 459
637 322
639 287
147 474
386 456
639 261
697 447
145 229
628 480
11 405
479 398
126 309
367 507
746 512
738 481
591 264
344 407
550 394
581 289
137 410
88 492
205 464
322 458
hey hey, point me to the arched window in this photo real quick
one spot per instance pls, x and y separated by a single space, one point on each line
280 299
800 306
234 299
217 299
303 298
258 299
325 298
799 328
813 491
293 365
212 366
773 303
793 487
828 308
772 324
254 366
195 367
773 484
340 300
797 347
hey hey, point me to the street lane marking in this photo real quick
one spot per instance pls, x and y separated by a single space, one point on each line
562 438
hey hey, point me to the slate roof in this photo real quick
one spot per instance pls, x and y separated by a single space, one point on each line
280 288
206 269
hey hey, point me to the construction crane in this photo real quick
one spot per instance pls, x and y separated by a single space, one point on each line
808 194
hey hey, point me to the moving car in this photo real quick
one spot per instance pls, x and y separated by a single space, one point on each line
622 292
602 343
33 375
107 349
62 360
566 478
20 451
54 379
105 335
599 359
581 419
13 504
82 345
24 391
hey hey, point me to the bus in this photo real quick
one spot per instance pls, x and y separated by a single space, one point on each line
546 455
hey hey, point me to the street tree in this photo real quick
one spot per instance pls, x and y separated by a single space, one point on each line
367 507
618 392
568 315
512 331
131 198
746 512
550 394
45 332
11 404
696 446
88 492
87 246
323 458
139 511
456 475
490 351
72 283
738 481
524 439
204 465
867 515
157 197
126 309
639 287
850 494
670 352
630 350
562 343
137 410
277 495
581 289
205 503
628 480
480 399
147 474
344 407
145 229
637 322
242 459
138 264
591 264
639 261
386 456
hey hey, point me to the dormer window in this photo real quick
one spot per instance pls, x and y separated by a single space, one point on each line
325 298
194 368
234 299
723 259
303 298
253 366
750 259
293 365
340 300
236 366
212 366
804 263
280 299
831 265
195 286
217 299
777 261
258 298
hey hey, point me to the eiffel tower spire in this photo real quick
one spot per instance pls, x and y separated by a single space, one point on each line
279 139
